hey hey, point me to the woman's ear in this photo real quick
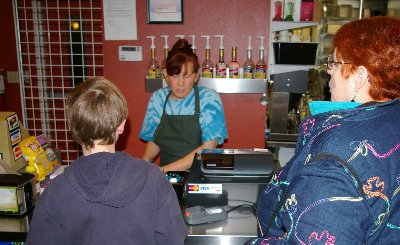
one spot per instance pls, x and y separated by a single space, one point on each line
164 71
121 128
165 75
361 77
197 75
362 73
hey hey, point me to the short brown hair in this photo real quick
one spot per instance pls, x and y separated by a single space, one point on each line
180 54
375 44
95 109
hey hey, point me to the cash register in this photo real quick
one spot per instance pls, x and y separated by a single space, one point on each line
220 177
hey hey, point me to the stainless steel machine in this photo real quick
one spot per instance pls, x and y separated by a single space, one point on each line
287 90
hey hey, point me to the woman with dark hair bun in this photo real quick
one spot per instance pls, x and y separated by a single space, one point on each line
182 118
342 186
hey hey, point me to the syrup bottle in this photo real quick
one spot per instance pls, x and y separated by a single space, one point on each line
220 67
261 66
233 65
207 65
153 67
248 66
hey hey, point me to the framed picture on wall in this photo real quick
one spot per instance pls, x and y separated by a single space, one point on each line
164 11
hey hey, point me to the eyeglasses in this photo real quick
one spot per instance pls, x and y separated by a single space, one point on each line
330 63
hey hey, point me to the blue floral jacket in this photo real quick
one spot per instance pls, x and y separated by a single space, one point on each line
342 185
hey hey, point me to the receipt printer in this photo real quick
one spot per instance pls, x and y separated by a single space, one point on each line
221 177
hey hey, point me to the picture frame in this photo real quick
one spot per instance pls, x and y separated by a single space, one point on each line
164 11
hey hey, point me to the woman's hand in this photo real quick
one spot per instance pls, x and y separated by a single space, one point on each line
186 162
152 150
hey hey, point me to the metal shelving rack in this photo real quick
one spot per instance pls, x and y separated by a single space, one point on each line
279 26
220 85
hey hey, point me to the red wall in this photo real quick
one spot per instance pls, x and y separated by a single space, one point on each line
235 19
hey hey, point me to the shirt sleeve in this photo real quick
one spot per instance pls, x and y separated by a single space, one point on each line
322 206
153 116
212 117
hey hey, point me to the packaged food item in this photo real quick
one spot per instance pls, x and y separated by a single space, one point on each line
38 162
51 156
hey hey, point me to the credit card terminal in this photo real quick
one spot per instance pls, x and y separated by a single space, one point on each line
200 215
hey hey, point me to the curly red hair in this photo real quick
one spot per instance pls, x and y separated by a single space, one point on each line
375 44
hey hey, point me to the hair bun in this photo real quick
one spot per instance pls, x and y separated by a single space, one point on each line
182 44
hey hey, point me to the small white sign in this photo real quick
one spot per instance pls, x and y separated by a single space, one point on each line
120 19
130 53
204 188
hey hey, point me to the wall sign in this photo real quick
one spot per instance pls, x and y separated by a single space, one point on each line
120 19
164 11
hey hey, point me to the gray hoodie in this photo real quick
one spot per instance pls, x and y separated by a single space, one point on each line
108 198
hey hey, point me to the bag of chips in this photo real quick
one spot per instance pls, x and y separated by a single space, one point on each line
33 153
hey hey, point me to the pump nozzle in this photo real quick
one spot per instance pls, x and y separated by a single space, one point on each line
193 39
166 41
180 36
249 47
152 41
262 42
207 37
221 37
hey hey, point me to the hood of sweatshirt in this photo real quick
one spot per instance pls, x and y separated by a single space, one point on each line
112 179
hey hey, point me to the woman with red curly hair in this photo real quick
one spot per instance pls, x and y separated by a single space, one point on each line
367 61
342 186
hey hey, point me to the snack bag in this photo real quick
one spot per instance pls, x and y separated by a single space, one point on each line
36 157
51 156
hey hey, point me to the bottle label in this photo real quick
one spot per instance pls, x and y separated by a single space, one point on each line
234 72
207 73
151 73
220 70
247 72
261 72
307 11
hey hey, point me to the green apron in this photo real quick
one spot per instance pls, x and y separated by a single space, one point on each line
177 135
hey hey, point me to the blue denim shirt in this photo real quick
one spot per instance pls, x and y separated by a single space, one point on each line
342 186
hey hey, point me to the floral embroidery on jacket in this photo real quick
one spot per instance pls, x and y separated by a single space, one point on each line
325 198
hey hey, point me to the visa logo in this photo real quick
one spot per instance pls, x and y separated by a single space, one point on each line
204 188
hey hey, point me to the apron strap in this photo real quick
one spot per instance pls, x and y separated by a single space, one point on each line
196 100
166 100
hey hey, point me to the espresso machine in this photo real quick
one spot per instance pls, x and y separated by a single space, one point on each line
286 92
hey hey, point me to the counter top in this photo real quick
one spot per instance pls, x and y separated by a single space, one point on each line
14 228
240 227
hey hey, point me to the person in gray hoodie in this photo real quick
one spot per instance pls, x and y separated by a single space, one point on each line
105 197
